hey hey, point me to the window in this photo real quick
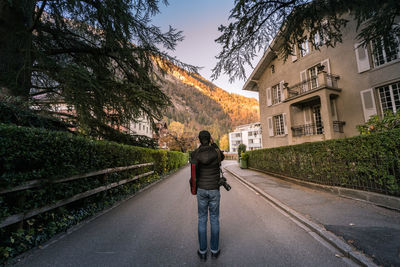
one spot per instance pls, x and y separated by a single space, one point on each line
384 52
319 40
276 94
312 74
279 127
305 50
390 97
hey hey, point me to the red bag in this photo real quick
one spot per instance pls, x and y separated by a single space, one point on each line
193 179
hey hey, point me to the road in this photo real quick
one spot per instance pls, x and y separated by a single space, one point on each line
158 227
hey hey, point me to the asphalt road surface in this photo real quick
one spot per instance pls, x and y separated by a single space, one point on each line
158 227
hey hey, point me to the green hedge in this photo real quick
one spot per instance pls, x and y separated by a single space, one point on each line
33 153
369 162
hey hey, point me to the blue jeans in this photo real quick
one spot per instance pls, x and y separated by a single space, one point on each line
208 200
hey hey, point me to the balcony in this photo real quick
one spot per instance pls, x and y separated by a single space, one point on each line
254 145
307 129
323 80
316 128
338 126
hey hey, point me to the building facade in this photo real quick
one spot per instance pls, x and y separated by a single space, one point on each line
141 127
324 94
249 134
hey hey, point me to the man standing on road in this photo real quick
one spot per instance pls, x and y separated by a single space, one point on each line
208 196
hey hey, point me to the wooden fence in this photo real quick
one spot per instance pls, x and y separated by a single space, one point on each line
39 183
231 156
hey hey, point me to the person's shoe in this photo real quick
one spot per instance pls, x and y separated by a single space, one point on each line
215 255
203 257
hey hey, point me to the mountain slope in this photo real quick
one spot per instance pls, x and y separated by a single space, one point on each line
241 109
199 104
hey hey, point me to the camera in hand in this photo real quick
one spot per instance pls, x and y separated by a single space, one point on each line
222 181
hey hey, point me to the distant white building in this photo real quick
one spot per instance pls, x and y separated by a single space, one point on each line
249 134
142 127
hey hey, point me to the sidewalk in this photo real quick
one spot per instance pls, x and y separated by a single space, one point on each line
373 230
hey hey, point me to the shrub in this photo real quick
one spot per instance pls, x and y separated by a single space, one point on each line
369 162
32 153
374 124
241 148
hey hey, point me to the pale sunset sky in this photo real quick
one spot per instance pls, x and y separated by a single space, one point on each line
199 21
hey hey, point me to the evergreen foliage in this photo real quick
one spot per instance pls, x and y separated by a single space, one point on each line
102 58
256 23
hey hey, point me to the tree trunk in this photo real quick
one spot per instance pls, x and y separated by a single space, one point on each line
16 19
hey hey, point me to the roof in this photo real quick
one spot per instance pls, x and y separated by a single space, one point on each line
269 55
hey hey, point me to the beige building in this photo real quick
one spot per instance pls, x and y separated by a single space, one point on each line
319 95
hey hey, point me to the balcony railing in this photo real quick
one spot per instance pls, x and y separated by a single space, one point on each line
338 126
254 145
322 80
307 129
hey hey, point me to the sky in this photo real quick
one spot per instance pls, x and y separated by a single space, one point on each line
199 21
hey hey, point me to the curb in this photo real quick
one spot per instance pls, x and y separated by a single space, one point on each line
347 250
25 255
381 200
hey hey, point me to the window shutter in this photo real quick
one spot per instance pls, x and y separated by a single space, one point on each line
269 98
294 56
270 126
368 103
281 87
303 78
285 123
362 58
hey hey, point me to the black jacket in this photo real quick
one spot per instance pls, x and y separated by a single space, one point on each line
206 159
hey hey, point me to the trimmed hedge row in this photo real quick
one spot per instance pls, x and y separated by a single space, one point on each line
368 162
33 153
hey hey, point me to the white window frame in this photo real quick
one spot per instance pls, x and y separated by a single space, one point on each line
276 94
279 125
383 51
392 99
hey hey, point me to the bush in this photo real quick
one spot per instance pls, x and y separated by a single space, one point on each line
374 124
369 162
241 148
32 153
